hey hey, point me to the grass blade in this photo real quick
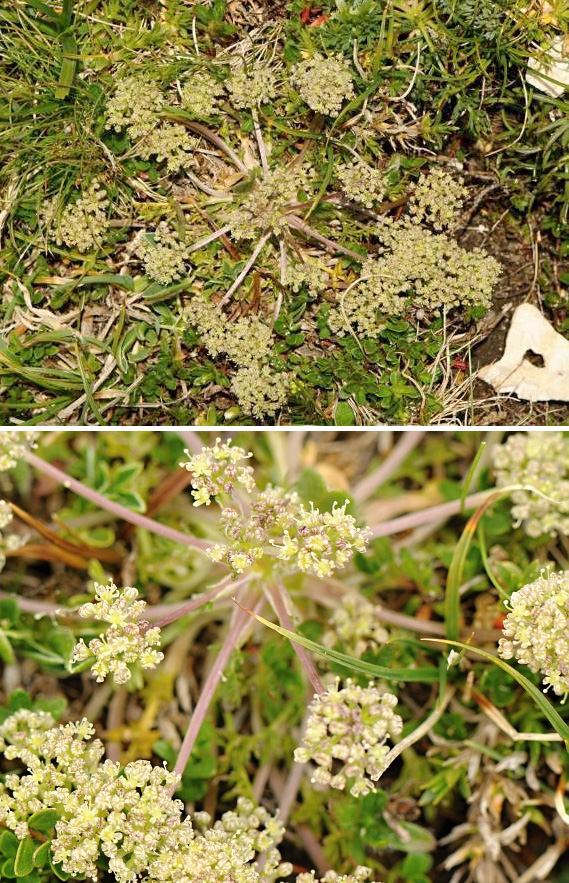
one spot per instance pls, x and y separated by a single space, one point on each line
426 675
545 706
68 67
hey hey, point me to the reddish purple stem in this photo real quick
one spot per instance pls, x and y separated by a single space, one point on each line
118 510
238 627
278 596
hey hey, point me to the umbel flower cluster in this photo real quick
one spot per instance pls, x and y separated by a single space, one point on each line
125 816
264 209
346 736
536 630
248 343
324 83
277 522
356 626
8 542
82 224
215 471
14 445
540 460
126 641
422 268
164 255
360 874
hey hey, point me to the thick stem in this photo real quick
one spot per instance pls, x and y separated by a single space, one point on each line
279 597
121 511
238 627
444 510
368 485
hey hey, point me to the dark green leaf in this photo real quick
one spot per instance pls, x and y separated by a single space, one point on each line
8 844
57 869
43 820
19 699
24 863
6 652
42 853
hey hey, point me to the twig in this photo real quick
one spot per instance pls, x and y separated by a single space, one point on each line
422 729
260 142
298 224
192 439
196 603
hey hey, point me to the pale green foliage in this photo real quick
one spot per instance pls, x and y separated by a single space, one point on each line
126 815
164 255
247 342
134 106
346 736
251 85
421 270
324 83
263 209
356 625
215 471
126 641
14 444
536 630
362 183
540 460
200 93
82 224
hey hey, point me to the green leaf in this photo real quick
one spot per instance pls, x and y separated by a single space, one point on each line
9 610
6 652
547 709
57 869
425 674
68 66
43 820
24 863
42 854
55 707
343 415
7 871
311 487
19 699
8 844
454 578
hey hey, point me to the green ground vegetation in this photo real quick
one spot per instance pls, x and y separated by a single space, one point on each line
134 132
